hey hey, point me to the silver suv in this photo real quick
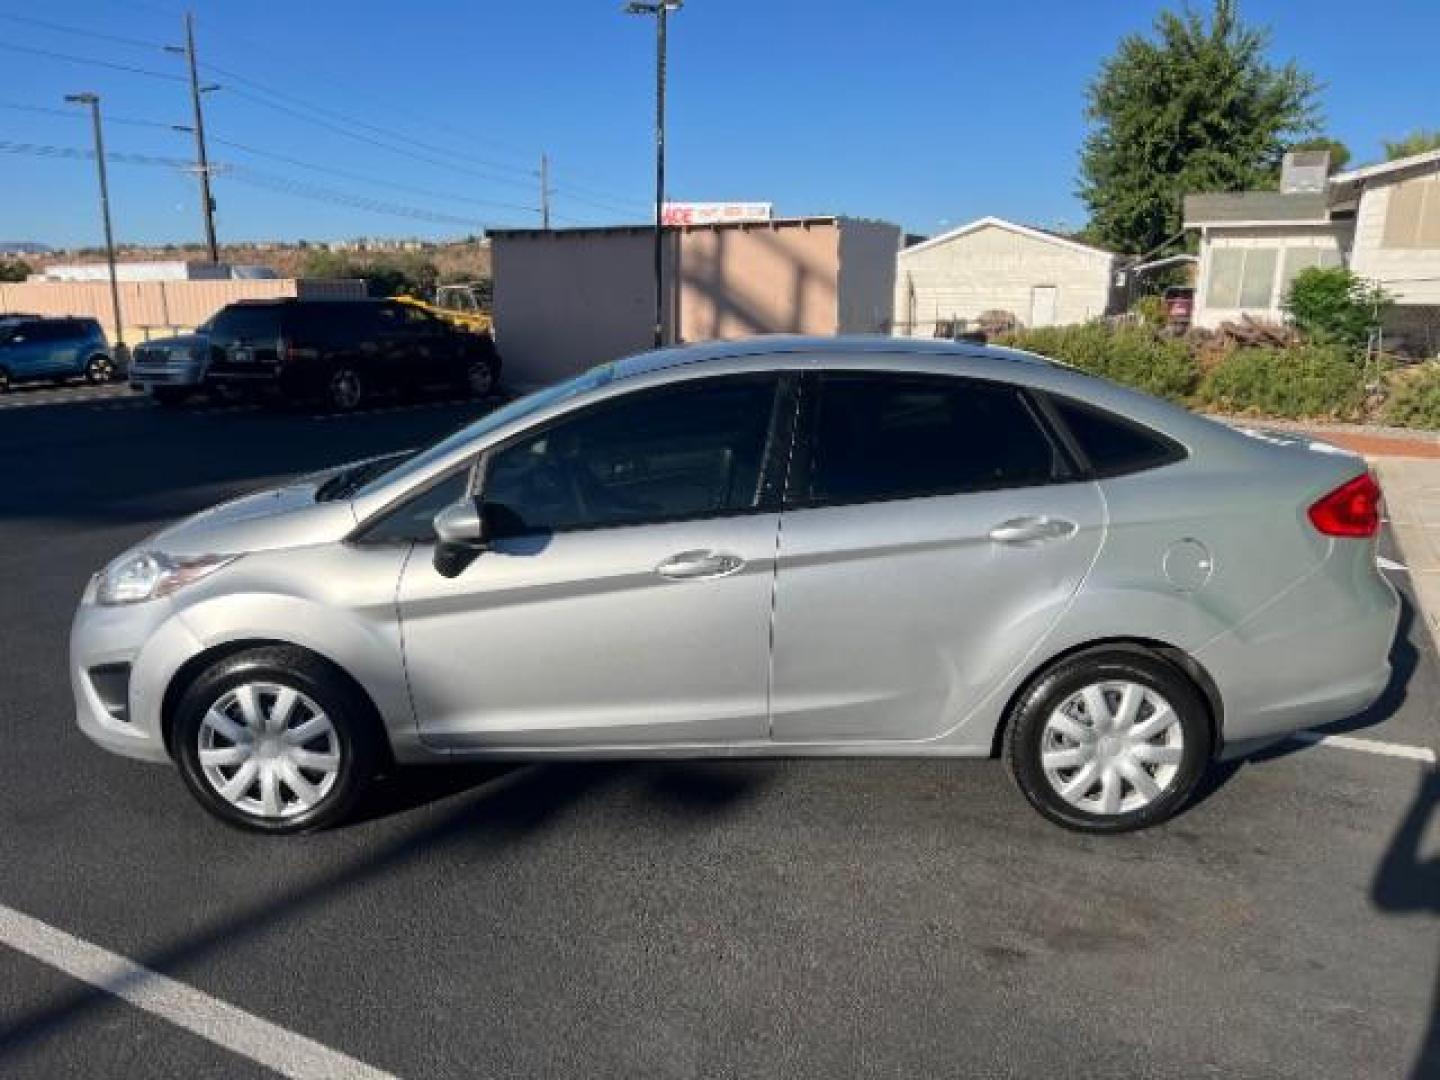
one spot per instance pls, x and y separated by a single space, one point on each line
777 547
171 369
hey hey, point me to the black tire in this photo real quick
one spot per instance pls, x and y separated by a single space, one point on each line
1025 733
345 389
357 737
100 369
169 396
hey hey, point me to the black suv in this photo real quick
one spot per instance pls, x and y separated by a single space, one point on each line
342 352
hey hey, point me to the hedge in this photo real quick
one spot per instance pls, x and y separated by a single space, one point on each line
1132 355
1414 399
1305 382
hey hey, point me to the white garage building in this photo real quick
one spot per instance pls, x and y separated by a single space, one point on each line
1040 278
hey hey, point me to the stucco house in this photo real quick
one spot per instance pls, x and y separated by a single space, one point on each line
1382 221
991 264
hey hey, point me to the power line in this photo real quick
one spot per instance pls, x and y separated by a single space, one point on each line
91 61
330 170
77 153
78 31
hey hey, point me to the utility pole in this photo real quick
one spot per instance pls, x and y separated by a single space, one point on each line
660 9
545 191
93 101
202 159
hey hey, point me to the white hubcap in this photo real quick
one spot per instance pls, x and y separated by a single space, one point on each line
1112 747
269 750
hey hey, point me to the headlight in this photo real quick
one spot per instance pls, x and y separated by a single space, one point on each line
152 574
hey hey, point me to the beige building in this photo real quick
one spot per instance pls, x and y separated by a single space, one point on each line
157 308
568 299
1382 221
991 264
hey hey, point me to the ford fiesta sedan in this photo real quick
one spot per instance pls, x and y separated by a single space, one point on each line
780 547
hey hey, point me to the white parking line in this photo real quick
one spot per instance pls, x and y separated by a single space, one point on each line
1367 746
265 1043
1389 564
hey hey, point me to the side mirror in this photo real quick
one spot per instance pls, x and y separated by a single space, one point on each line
460 535
461 523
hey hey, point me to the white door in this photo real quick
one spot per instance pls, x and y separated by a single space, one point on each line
1042 305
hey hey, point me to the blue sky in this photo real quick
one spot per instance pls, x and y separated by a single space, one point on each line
924 112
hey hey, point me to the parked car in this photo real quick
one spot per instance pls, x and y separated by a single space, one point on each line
53 350
782 547
171 369
342 352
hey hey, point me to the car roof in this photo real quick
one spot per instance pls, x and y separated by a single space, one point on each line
848 345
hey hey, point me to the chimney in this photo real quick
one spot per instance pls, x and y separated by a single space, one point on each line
1304 171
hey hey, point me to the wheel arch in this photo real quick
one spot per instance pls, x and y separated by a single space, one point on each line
1153 648
198 664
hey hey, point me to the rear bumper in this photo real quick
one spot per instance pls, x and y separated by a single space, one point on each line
1317 654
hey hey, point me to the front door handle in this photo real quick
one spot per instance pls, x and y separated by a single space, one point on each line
1032 530
704 563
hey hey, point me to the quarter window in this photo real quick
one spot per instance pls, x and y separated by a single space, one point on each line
1113 445
693 450
888 437
413 520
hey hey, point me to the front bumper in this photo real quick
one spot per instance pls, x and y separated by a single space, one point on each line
121 660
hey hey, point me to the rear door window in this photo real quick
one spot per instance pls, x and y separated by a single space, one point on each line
895 436
247 323
1114 445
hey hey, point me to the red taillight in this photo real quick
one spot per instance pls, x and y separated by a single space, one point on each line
1352 509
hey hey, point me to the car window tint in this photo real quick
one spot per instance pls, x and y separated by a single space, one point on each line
687 451
414 518
893 437
1113 444
244 321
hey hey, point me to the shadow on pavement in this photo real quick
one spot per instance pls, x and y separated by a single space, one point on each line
502 807
1407 884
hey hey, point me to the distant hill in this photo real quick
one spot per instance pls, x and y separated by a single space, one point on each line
23 247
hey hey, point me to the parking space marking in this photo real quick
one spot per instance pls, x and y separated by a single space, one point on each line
1389 564
267 1044
1368 746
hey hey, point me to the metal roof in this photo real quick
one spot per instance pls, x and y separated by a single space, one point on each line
614 230
1258 207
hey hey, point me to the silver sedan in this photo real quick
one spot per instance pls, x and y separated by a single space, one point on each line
784 546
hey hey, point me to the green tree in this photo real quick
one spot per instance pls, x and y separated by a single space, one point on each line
1196 107
1339 152
14 270
1332 306
1417 142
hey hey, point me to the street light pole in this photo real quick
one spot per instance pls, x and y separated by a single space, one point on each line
660 9
93 101
202 159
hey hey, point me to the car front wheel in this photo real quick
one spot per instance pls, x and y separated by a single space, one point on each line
345 390
276 741
480 378
1109 741
100 369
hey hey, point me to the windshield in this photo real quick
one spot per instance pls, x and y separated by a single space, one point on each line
516 410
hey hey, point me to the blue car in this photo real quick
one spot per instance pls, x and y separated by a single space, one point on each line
53 350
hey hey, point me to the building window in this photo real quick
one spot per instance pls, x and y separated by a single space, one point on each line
1412 216
1241 278
1303 258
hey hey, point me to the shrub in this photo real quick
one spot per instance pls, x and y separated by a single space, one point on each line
1150 311
1132 355
1415 397
1332 306
1308 382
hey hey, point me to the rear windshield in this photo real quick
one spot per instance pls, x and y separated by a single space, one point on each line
248 322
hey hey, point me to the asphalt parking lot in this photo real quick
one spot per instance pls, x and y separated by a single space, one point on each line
817 918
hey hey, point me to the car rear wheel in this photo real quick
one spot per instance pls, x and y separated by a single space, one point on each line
100 369
276 741
1109 741
345 390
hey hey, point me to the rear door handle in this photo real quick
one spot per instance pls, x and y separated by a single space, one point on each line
687 565
1032 530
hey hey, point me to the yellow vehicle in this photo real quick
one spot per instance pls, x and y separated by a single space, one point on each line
457 304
